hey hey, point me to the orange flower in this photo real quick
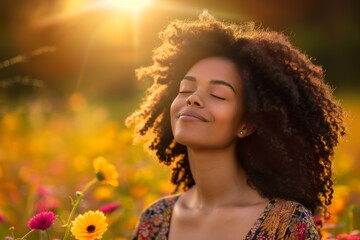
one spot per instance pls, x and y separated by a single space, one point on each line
90 225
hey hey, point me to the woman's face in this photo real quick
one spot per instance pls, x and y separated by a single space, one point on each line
208 110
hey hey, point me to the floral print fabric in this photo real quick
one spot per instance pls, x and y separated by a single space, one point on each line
280 219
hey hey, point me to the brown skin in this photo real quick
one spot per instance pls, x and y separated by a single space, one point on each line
207 117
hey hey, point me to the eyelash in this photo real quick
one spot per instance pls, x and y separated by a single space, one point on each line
220 98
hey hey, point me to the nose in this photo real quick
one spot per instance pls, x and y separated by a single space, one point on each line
194 100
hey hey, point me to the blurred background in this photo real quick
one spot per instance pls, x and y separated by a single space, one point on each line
67 84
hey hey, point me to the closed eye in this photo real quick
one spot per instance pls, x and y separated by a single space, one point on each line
215 96
185 91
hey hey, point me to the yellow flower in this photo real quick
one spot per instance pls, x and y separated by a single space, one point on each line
90 225
105 172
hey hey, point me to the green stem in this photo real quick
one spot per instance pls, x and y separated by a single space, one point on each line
351 218
25 235
48 234
12 232
79 197
92 182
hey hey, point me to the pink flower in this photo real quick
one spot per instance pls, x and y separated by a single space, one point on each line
109 208
345 236
42 191
47 203
2 219
341 236
42 221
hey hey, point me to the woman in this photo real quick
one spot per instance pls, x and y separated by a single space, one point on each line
250 126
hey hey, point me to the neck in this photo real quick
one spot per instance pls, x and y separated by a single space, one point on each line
219 180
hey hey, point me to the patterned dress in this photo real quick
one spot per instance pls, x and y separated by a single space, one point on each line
280 219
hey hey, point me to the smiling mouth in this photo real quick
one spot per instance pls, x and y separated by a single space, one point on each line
191 116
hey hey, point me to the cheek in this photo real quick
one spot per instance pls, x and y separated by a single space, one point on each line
229 117
226 114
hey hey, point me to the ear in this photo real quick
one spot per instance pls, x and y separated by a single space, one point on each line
246 130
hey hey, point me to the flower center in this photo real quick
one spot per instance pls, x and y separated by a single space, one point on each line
100 176
90 229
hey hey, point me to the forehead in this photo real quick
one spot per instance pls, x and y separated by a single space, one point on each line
219 68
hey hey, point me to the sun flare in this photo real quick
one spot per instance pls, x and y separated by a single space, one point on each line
129 5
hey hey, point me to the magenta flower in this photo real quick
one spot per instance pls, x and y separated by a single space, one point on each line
42 221
109 208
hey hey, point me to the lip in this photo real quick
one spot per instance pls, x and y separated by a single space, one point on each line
191 116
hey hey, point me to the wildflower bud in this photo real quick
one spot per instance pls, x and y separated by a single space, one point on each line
79 194
109 208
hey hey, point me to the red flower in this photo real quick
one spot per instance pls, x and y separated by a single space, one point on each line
42 221
109 208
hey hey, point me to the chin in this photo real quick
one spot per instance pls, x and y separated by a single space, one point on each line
188 141
196 143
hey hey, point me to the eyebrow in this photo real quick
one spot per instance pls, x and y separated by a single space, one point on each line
214 81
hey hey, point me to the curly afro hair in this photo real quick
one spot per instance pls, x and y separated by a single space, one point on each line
298 123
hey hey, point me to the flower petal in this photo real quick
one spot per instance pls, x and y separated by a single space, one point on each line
90 225
42 221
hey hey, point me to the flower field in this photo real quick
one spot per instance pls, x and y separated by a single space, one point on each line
46 155
47 150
